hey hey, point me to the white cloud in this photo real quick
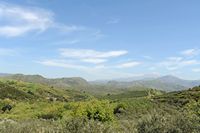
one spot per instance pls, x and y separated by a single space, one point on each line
85 59
89 53
94 60
174 63
190 62
71 65
17 20
60 63
129 64
91 61
96 72
186 60
191 52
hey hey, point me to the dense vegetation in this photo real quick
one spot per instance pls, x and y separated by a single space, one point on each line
46 108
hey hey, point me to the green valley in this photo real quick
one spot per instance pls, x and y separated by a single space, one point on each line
41 106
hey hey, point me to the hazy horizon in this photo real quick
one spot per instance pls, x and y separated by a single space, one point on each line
125 79
100 39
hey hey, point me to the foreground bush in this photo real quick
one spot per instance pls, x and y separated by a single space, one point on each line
77 125
154 122
29 126
165 123
82 125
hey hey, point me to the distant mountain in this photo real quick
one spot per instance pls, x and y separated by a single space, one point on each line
70 83
128 79
27 78
74 83
155 84
3 74
169 78
140 77
166 83
174 80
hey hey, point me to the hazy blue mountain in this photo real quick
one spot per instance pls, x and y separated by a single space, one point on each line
4 74
128 79
140 77
175 80
166 83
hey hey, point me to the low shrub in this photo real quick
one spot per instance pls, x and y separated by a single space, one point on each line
94 110
165 123
50 116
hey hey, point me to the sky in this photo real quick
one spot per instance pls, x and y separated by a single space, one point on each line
100 39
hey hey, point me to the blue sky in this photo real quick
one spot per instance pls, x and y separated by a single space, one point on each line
100 39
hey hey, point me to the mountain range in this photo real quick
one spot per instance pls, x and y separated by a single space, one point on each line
165 83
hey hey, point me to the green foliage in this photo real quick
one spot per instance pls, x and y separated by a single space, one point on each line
180 98
29 126
18 90
128 94
193 110
165 123
50 116
43 108
94 109
7 90
82 125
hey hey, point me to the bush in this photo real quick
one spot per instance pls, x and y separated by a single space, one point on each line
120 108
82 125
165 123
50 116
54 112
29 126
94 110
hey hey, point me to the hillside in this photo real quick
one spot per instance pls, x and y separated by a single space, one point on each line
165 83
18 90
75 83
180 98
134 94
41 108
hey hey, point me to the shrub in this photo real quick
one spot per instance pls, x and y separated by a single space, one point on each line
50 116
165 123
120 108
82 125
95 109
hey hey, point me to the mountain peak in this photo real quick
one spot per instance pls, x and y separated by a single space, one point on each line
168 77
171 79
